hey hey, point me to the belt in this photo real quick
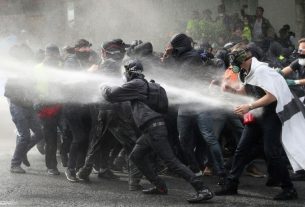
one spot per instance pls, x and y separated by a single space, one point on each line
155 124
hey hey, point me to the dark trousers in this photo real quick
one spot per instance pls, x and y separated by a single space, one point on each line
26 120
49 127
155 140
79 123
107 125
268 128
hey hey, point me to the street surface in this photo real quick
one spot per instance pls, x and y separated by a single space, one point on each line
36 188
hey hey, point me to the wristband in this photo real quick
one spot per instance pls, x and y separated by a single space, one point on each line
297 82
250 106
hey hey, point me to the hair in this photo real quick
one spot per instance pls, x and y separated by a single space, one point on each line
301 40
261 8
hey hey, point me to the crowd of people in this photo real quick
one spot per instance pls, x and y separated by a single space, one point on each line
138 130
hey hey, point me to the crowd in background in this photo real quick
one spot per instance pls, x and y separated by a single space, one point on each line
99 138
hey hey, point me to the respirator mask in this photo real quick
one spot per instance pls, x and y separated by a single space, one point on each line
301 59
236 58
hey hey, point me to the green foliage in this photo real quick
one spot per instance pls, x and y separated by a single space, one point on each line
206 30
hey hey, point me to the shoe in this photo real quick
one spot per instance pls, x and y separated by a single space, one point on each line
155 191
290 194
83 174
135 187
25 161
119 163
208 171
202 195
272 183
53 171
253 171
17 169
41 147
229 188
108 174
221 180
298 176
71 175
95 170
64 159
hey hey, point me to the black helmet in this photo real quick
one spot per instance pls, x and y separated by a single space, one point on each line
134 66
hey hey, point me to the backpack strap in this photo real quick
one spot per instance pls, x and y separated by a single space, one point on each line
148 89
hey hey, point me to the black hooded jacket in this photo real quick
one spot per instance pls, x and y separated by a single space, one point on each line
134 91
183 53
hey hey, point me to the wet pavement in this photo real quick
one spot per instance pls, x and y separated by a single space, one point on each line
37 188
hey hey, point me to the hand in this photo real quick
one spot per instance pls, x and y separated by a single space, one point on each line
103 87
242 109
93 68
291 82
227 88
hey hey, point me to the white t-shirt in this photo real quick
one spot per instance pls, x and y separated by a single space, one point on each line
257 30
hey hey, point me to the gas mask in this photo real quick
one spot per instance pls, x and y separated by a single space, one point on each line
301 60
236 59
83 55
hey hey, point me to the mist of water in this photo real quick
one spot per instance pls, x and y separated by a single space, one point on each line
84 87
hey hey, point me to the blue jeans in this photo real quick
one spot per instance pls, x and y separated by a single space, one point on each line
204 121
25 120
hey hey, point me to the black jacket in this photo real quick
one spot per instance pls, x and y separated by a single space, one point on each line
19 92
134 91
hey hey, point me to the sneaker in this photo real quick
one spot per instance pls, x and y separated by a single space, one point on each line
119 164
135 187
253 171
287 194
83 174
202 195
71 175
53 171
108 174
229 188
17 169
221 180
25 161
272 182
208 171
155 191
95 170
298 176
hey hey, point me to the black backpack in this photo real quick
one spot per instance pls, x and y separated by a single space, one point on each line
157 97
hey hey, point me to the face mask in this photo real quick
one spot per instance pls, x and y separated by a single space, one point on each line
302 61
124 78
83 55
235 69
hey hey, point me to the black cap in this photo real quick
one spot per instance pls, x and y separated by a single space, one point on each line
82 43
52 49
113 46
181 40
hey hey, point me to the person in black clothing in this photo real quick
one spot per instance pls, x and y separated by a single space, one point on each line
112 124
190 115
154 133
20 95
77 115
